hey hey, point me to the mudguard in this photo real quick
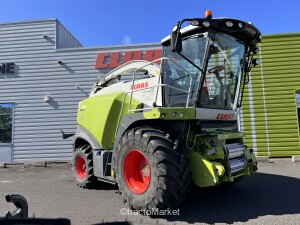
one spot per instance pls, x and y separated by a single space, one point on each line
82 133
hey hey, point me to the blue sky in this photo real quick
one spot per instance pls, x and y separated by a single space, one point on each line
117 22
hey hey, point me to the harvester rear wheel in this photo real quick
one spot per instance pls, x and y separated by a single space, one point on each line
150 171
82 166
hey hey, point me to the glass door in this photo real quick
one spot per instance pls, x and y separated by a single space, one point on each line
6 132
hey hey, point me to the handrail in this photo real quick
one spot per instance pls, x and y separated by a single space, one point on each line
160 59
126 93
156 86
159 85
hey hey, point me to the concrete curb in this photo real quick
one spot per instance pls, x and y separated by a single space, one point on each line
266 159
263 159
35 164
47 164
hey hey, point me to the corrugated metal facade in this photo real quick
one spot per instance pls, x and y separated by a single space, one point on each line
64 39
37 73
270 119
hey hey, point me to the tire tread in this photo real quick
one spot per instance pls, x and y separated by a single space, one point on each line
173 175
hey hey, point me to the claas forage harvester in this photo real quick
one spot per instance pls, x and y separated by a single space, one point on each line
153 128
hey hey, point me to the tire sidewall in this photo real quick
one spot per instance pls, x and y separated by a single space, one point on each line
76 155
148 195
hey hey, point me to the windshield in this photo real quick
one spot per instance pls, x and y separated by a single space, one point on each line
223 74
222 78
181 74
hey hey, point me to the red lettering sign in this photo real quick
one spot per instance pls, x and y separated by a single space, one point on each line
139 86
153 54
113 59
100 60
132 55
225 116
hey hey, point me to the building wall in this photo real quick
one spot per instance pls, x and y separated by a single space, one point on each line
270 119
37 73
64 39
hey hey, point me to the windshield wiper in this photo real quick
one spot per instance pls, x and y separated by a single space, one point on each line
187 59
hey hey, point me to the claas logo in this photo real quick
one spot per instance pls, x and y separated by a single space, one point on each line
139 86
225 116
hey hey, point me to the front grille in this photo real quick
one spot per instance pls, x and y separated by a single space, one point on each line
235 150
237 157
237 165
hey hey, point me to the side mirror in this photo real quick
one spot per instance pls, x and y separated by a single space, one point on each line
255 62
176 39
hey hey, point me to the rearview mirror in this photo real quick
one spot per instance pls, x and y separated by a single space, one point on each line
176 41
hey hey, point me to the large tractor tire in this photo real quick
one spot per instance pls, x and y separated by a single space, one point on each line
82 167
150 172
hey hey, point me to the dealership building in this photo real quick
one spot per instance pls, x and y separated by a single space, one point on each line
45 72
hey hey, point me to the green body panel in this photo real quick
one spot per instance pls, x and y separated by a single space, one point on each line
100 114
204 172
230 136
174 113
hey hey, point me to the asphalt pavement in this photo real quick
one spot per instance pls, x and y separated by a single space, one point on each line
271 196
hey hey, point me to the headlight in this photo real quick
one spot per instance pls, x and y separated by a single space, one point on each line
195 22
229 24
206 24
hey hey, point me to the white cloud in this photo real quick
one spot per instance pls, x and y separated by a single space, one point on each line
126 40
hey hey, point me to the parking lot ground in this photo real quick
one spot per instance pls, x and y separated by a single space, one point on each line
271 196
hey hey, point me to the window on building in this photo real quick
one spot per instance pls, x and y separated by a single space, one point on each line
6 118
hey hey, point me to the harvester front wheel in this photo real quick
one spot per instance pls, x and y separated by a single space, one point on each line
150 172
82 167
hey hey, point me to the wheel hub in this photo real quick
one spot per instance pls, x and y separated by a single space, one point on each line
137 171
81 168
145 170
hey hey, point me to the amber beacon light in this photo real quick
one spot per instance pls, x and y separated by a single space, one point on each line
208 14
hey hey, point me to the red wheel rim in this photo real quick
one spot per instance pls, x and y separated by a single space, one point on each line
137 171
81 167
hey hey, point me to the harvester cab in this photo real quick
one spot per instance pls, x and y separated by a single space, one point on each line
211 59
155 127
